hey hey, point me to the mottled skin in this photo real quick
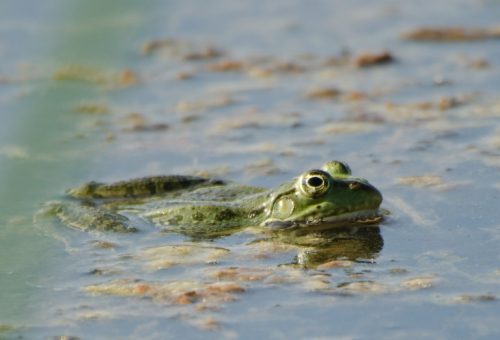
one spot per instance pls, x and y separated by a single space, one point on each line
317 199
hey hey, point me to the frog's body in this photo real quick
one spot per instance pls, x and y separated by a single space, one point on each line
326 197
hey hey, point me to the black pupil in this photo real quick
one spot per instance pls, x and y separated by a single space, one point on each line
315 181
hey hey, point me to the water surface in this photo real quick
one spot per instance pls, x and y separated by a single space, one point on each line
423 129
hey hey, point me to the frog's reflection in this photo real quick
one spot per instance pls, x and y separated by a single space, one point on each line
354 243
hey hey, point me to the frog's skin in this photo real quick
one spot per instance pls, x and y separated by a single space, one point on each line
321 198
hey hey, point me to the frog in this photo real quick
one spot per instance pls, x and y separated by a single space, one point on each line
317 199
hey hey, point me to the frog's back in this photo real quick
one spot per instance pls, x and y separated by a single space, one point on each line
142 187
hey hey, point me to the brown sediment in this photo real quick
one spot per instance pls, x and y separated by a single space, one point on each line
452 34
101 244
127 78
335 264
204 105
207 52
354 96
124 78
229 65
80 73
469 298
287 67
442 104
418 283
324 93
479 63
136 122
174 292
92 108
207 324
186 298
154 45
241 274
372 59
167 256
371 287
185 75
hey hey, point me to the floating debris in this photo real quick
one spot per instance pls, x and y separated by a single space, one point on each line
100 244
452 34
324 93
345 127
418 283
124 78
105 271
183 49
287 67
443 103
203 105
398 271
182 254
172 292
317 283
478 63
335 264
185 75
275 67
421 181
241 274
207 52
137 122
80 73
243 121
370 287
471 298
155 45
92 108
227 66
372 59
208 323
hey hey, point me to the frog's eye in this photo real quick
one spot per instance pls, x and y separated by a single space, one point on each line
336 168
314 183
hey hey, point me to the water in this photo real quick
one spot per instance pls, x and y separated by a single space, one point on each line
437 273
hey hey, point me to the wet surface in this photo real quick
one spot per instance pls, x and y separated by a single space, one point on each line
253 94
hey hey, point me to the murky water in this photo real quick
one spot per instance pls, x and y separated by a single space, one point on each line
93 91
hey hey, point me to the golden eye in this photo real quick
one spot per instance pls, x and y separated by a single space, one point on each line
314 183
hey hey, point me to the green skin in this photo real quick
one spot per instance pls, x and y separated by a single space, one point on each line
317 199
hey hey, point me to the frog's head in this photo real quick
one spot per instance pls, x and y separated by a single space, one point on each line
325 197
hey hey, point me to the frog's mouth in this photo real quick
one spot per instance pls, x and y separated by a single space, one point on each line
361 217
369 216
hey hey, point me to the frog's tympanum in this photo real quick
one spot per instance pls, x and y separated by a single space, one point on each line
316 200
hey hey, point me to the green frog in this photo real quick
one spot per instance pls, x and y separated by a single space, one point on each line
318 199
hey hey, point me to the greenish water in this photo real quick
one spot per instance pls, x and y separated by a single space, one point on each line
40 156
431 271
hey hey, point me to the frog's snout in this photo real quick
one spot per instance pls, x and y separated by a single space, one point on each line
367 190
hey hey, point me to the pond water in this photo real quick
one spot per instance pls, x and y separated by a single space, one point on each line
255 93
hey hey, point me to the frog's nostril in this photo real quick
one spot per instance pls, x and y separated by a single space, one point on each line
354 185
